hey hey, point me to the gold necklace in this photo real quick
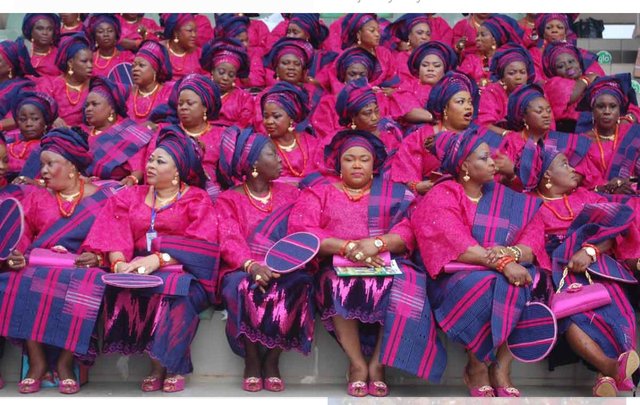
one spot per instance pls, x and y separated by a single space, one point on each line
69 197
475 199
196 134
164 201
76 88
148 93
290 147
264 200
179 55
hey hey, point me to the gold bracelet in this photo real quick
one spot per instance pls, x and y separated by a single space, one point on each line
247 265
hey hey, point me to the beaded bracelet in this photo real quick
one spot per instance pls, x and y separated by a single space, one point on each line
247 265
503 262
343 249
114 264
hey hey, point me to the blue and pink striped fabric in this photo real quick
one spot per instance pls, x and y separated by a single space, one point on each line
11 226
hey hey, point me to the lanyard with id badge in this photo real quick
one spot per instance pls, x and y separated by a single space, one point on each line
151 233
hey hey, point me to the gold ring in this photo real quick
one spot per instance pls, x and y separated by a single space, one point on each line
359 256
10 262
619 182
141 270
517 284
258 277
368 260
351 245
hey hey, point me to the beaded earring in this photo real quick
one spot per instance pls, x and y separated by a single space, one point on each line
526 125
291 128
493 47
112 117
353 125
70 71
71 175
466 177
548 185
204 117
176 40
254 173
175 180
10 75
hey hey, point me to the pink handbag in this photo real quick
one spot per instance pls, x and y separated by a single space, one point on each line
577 297
48 257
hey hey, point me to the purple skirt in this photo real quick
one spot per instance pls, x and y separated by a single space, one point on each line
159 325
281 317
362 298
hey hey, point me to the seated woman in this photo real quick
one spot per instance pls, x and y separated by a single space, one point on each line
411 31
511 67
555 27
581 232
13 68
193 103
493 33
567 81
58 216
428 63
43 31
465 32
105 31
360 217
363 31
227 60
118 145
151 72
180 35
453 101
71 22
35 114
247 214
144 228
284 114
463 219
310 28
357 107
71 88
135 29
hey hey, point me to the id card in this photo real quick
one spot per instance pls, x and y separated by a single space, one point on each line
151 235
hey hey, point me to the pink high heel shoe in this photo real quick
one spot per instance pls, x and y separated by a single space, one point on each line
151 383
68 386
29 385
273 384
357 389
628 363
605 387
252 384
507 392
173 384
378 389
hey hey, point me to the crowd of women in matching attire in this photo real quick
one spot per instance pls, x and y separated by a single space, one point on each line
496 147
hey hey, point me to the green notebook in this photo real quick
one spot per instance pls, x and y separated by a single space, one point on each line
390 270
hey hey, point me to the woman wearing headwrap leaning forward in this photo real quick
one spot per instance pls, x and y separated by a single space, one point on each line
471 219
141 230
180 35
582 229
66 298
279 314
361 217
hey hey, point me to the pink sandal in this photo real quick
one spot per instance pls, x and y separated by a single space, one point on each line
357 389
151 383
29 386
628 363
173 384
252 384
478 392
68 386
605 387
507 392
378 389
273 384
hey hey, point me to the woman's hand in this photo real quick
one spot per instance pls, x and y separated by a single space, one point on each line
128 181
617 185
25 180
16 260
87 259
494 253
579 262
504 164
262 275
424 186
143 265
517 275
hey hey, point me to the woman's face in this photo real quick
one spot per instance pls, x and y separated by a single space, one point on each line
419 34
294 31
186 35
191 110
224 74
42 33
479 165
82 65
555 31
276 120
459 111
142 73
484 40
31 122
269 165
606 112
515 74
356 167
161 169
355 71
367 118
561 175
97 110
369 35
538 116
431 70
290 69
55 170
568 66
4 160
243 37
105 36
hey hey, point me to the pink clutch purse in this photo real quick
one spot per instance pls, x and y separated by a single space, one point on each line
48 257
339 261
577 297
